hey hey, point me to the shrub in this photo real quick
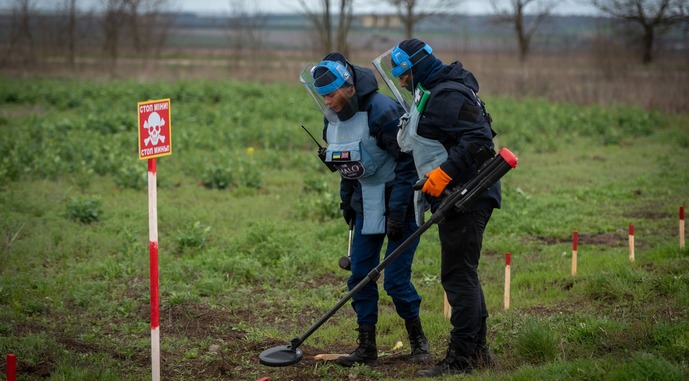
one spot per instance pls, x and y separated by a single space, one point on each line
193 236
323 207
218 177
316 183
84 209
131 174
237 172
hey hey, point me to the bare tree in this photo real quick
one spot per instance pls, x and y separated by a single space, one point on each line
411 12
321 20
139 22
247 27
513 12
343 25
148 25
21 41
653 16
68 30
114 16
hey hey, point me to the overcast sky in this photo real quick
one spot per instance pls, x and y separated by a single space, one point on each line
291 6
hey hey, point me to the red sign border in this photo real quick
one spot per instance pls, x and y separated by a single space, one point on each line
138 127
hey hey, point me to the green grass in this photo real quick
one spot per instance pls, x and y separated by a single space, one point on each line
250 234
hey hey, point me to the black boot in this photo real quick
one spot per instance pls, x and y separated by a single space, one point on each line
420 350
366 352
484 357
453 363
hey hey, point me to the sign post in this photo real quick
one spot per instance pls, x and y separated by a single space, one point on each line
155 140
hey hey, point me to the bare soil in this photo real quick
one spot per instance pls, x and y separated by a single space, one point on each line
230 356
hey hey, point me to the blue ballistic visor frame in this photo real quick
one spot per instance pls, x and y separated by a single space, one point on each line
335 77
404 62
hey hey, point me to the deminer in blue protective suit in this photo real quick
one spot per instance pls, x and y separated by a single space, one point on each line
449 132
361 127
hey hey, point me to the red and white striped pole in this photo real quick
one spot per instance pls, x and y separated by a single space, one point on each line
681 227
508 277
631 242
153 245
11 368
575 242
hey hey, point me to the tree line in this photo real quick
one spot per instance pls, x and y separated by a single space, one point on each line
142 26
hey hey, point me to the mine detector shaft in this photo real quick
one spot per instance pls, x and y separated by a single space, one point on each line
458 199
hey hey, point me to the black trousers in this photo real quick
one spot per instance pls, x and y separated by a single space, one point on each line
461 238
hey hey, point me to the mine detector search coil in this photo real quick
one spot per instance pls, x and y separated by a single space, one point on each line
321 152
459 199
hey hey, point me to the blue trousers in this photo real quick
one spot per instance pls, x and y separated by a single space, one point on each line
365 256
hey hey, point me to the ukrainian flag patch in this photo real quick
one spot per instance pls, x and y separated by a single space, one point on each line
341 155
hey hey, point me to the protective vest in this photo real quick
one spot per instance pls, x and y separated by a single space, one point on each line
428 153
355 154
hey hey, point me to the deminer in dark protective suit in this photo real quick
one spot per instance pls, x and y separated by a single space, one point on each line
361 127
448 129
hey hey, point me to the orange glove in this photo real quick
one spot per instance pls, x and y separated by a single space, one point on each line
436 181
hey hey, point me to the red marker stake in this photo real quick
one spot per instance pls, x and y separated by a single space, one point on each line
508 277
681 227
631 242
575 242
153 248
11 367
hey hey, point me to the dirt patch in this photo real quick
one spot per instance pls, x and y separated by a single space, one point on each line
232 354
612 239
604 239
649 214
202 342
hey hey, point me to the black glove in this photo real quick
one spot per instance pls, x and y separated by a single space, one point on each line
349 215
395 229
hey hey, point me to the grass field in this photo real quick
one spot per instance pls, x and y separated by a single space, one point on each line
250 234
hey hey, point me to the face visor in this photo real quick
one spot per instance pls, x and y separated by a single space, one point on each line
331 86
394 67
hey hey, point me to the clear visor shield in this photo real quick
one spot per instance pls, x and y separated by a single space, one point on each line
338 103
400 86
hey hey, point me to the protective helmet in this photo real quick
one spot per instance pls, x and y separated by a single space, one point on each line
407 54
333 73
329 76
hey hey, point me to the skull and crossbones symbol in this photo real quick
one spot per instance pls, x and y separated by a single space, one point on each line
153 125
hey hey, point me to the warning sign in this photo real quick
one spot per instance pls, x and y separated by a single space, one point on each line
155 129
